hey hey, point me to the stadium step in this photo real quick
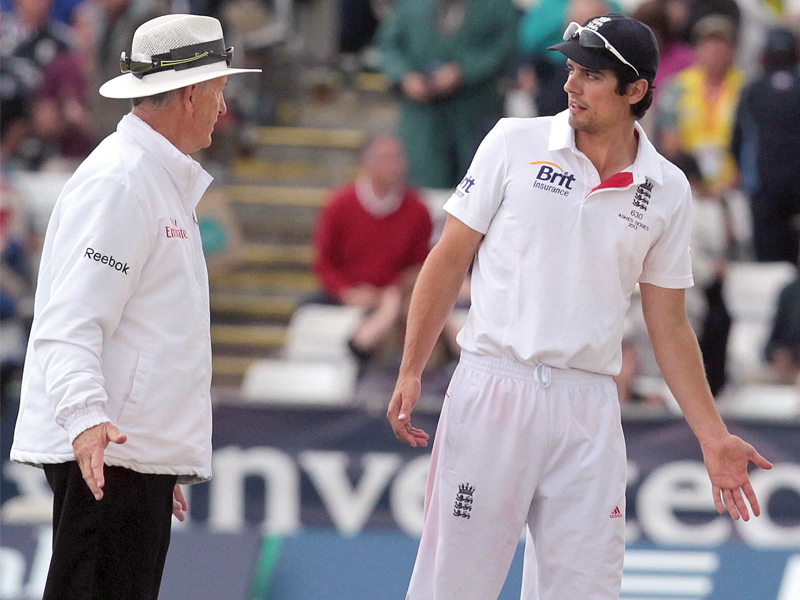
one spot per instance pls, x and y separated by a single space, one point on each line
365 104
298 154
272 195
276 215
372 83
294 283
262 308
277 255
309 137
300 172
262 337
228 371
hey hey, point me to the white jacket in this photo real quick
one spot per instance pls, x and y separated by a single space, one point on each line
121 328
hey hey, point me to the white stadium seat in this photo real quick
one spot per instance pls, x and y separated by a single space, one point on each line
40 192
763 401
751 294
746 343
299 382
317 367
319 332
751 289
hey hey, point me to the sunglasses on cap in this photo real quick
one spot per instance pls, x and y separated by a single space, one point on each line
178 59
589 38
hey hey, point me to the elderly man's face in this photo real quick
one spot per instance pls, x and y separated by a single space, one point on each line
385 162
209 104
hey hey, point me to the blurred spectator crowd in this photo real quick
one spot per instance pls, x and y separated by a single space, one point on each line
726 112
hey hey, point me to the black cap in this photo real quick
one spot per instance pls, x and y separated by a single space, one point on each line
634 40
781 44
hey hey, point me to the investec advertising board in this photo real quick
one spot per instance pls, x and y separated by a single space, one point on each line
301 498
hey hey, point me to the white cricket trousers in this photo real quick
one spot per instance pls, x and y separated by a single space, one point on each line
524 445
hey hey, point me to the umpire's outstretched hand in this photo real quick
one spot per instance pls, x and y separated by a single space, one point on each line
727 459
89 448
404 399
179 504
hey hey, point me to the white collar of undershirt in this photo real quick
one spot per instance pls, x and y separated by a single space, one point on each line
375 205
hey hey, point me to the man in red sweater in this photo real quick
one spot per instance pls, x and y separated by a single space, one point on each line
370 241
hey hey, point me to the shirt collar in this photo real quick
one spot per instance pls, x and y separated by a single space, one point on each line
190 179
646 165
374 205
562 136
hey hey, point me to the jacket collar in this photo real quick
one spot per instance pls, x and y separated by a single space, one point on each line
190 179
646 164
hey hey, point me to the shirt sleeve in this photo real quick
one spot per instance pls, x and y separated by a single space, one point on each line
100 246
477 198
326 249
668 263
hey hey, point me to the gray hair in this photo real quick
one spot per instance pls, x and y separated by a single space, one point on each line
159 101
156 101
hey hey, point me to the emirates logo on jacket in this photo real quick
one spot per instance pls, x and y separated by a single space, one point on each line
173 231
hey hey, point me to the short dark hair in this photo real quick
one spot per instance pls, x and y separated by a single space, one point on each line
625 77
156 101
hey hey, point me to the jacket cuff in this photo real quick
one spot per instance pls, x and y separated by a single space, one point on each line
82 419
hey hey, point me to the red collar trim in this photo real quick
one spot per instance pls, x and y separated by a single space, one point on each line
618 180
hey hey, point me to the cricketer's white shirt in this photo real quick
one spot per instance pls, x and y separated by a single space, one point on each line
561 253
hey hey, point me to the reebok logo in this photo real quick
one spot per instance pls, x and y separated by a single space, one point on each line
552 178
463 505
106 260
173 231
616 513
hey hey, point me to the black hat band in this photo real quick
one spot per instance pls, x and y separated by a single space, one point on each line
178 59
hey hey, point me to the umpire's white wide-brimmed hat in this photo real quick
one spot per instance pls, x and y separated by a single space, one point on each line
169 53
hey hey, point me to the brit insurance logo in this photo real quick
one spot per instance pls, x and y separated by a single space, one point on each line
465 186
641 200
552 178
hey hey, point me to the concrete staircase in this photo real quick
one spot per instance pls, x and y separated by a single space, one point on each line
275 193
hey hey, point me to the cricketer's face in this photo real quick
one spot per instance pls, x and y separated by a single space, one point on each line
594 105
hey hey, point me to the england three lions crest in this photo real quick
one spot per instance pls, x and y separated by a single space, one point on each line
463 505
641 198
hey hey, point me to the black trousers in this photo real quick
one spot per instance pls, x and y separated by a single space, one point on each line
114 548
775 206
714 337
